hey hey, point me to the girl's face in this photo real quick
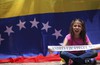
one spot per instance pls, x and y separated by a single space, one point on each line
77 27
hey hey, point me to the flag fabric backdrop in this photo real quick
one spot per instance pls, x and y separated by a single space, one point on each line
27 27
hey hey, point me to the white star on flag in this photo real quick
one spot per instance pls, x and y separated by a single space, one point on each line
9 30
57 33
34 23
21 24
46 26
1 39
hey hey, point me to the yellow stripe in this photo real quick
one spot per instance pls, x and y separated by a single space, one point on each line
12 8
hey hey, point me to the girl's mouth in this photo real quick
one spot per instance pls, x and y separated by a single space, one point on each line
76 30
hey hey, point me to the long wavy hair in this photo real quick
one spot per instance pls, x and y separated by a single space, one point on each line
82 33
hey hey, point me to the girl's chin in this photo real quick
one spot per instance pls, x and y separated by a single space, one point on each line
77 33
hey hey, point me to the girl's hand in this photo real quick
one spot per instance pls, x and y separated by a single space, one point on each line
50 51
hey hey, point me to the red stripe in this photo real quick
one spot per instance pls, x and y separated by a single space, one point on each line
39 58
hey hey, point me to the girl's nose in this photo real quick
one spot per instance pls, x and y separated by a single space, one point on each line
77 27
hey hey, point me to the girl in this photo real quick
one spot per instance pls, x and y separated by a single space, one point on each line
77 36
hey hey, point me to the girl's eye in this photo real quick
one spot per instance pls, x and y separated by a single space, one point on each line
79 26
75 25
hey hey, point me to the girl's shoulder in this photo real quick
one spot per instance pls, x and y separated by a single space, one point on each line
68 36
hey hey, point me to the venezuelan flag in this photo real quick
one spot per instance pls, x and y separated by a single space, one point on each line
27 27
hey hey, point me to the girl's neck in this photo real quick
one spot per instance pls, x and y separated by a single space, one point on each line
76 36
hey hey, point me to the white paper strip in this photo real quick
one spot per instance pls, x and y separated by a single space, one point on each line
73 48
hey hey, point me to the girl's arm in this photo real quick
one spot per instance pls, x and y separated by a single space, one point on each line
65 42
98 48
89 43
